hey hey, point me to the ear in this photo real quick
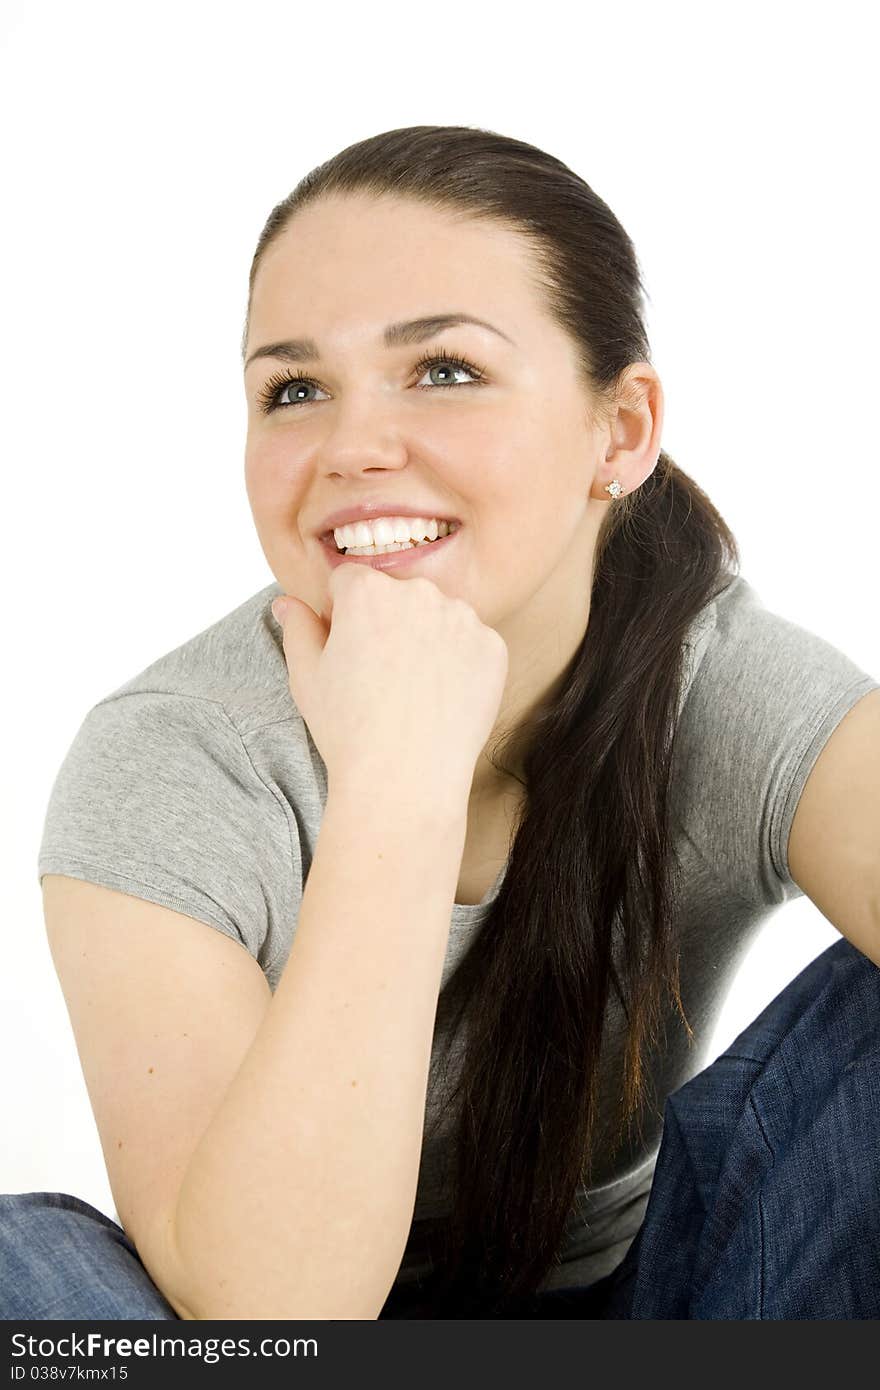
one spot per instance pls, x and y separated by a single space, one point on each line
635 430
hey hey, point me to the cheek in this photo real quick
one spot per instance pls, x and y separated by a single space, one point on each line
269 480
263 459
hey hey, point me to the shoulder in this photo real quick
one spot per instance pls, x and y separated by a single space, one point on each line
236 664
765 697
774 675
166 792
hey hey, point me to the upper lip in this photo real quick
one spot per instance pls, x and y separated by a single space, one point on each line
368 511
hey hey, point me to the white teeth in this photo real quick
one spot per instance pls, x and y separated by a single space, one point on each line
386 549
389 531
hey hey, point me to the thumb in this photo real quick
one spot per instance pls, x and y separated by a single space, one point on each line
303 630
280 606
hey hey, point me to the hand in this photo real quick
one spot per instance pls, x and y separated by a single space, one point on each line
400 682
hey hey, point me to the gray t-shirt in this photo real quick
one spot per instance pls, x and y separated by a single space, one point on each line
197 785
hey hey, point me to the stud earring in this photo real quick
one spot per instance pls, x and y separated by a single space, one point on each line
614 488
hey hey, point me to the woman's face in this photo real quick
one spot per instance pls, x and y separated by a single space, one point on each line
512 456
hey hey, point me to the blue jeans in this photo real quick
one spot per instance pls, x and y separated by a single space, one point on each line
765 1200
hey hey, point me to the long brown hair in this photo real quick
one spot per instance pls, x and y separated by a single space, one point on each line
587 902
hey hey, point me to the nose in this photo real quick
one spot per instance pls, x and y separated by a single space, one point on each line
362 440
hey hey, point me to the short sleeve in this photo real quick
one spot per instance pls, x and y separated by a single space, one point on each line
766 698
157 797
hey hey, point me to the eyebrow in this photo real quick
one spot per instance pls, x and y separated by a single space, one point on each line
396 334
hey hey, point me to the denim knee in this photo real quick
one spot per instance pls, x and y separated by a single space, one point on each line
62 1259
765 1202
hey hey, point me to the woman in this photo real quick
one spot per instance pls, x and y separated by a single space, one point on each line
494 839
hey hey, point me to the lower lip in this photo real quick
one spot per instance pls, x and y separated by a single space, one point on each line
393 559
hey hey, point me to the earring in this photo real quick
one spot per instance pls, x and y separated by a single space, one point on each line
614 488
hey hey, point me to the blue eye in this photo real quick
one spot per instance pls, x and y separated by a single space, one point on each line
268 397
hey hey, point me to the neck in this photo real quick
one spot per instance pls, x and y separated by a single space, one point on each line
541 641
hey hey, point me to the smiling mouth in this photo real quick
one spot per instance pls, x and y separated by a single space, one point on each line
329 540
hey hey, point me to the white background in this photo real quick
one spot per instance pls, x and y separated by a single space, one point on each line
143 150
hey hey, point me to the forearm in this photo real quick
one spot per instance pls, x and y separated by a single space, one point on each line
298 1200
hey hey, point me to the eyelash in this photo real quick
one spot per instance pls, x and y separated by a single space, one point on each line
267 398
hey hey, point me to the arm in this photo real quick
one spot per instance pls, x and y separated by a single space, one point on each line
298 1199
834 842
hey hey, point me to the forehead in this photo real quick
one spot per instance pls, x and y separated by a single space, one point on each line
382 259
